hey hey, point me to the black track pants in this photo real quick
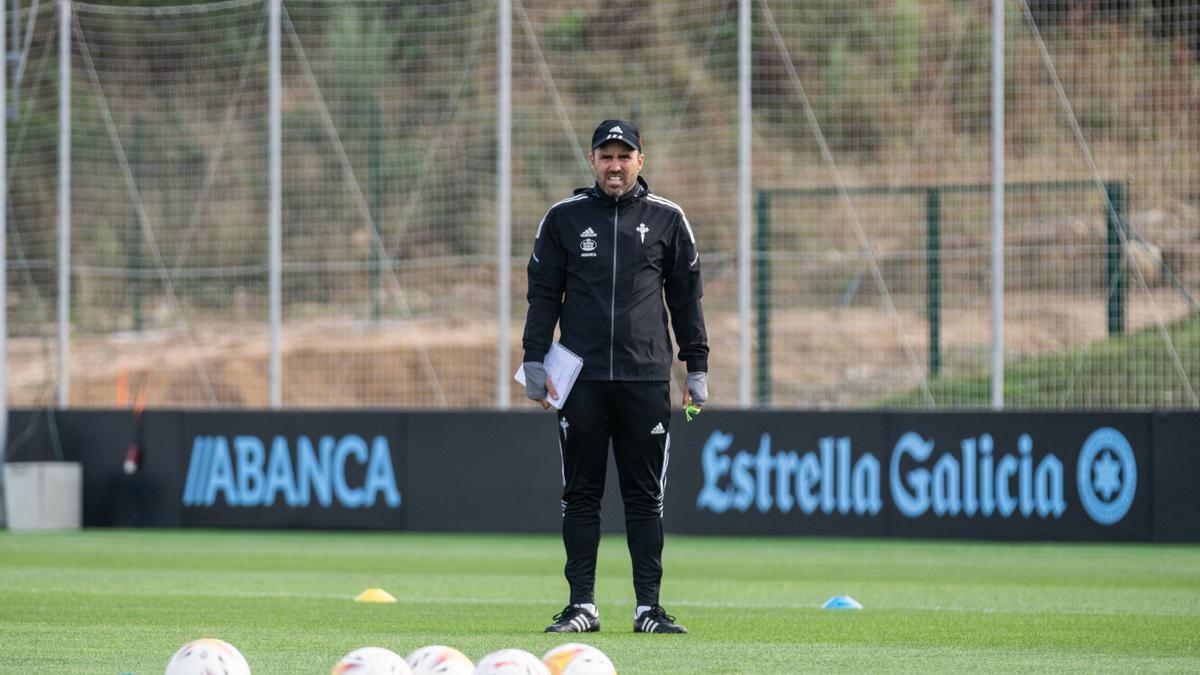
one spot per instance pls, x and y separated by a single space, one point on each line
635 416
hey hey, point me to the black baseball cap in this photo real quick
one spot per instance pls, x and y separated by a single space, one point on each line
617 130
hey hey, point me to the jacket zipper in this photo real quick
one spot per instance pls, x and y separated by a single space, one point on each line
612 320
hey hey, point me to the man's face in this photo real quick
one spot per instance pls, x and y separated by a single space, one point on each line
616 166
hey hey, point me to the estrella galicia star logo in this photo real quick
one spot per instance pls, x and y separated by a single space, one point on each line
1106 476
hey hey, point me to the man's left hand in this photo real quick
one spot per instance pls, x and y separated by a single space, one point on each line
696 393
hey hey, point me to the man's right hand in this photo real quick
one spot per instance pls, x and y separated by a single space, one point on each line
538 384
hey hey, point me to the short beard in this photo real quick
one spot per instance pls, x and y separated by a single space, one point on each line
622 191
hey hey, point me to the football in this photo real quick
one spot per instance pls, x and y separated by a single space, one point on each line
575 658
208 656
511 662
439 660
371 661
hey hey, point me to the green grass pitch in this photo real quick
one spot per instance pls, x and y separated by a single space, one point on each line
103 601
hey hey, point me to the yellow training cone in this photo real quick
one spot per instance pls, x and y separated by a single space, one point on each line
374 595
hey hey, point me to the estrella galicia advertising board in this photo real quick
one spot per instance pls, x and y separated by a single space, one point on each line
989 476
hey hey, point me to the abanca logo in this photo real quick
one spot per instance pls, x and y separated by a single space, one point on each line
251 476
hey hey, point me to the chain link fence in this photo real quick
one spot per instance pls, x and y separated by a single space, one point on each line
870 160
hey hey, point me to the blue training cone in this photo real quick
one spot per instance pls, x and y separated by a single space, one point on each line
841 602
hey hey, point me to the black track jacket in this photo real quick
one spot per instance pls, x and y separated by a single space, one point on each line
601 268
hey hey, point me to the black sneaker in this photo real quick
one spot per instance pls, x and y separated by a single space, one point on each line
656 620
574 619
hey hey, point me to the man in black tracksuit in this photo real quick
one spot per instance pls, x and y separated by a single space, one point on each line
603 261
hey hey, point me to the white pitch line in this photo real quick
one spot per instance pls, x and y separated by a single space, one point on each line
272 594
1158 611
707 604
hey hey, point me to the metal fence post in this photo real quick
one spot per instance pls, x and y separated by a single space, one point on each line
933 269
373 157
64 202
135 248
1115 280
762 294
504 131
3 268
274 205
